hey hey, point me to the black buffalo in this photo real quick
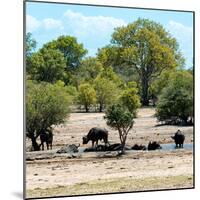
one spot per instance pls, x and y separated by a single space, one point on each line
178 139
138 147
46 136
153 146
96 134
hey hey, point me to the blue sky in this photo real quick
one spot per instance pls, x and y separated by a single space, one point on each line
93 25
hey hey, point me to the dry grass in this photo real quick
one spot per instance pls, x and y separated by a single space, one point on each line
129 184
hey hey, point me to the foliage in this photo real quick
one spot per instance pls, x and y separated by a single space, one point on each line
130 98
73 51
46 105
110 75
176 99
110 56
148 48
72 92
86 96
106 92
191 70
90 68
87 72
47 65
119 118
30 47
160 83
30 44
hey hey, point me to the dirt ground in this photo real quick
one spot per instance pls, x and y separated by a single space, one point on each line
93 173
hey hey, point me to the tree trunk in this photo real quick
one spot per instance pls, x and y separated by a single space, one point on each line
86 108
35 145
123 147
100 107
145 92
123 142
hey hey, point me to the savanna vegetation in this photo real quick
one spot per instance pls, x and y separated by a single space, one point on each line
142 66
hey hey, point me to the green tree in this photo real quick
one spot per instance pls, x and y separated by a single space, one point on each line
191 70
119 118
148 48
110 75
30 47
73 54
72 92
46 105
175 103
30 44
86 96
73 51
106 92
89 69
47 65
130 98
111 56
158 84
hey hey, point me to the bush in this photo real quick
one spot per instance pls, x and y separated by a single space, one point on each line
175 104
86 96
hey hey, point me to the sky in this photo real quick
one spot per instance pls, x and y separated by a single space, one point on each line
94 25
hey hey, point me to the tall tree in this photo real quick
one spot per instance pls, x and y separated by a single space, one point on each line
148 48
73 51
111 56
47 65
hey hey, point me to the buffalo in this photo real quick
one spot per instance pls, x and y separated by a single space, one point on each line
46 136
138 147
178 139
153 146
69 148
96 134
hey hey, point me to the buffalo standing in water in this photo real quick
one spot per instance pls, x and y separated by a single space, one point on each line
96 134
178 139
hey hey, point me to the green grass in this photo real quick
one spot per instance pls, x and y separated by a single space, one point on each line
115 185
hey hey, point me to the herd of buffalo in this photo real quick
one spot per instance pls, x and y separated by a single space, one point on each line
97 134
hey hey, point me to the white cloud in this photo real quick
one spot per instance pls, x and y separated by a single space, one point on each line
89 26
179 29
32 23
184 36
50 23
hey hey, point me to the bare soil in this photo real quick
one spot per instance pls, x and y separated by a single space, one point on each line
89 173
